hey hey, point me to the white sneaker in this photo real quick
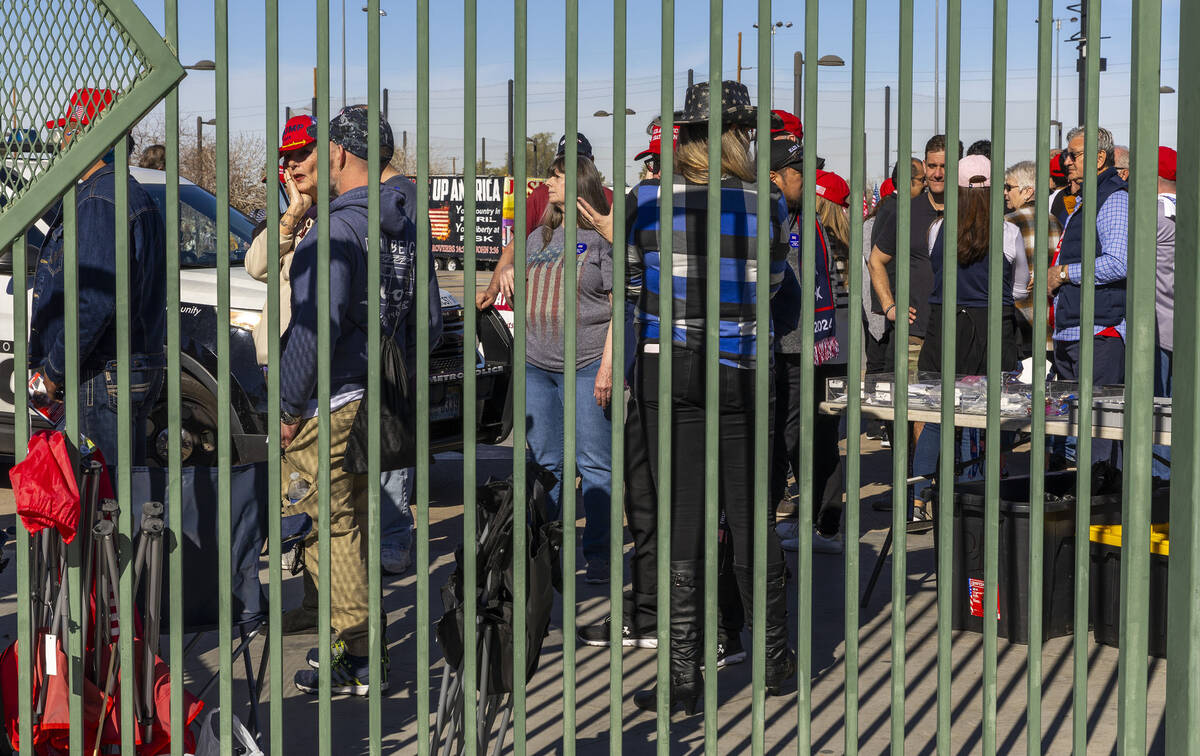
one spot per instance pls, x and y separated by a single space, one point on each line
823 544
288 560
393 559
788 529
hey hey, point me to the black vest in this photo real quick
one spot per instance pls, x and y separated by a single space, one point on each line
972 279
1110 298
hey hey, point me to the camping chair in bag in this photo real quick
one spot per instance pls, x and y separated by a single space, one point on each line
492 638
249 497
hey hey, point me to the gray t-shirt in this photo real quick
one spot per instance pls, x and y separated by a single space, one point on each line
1164 300
546 319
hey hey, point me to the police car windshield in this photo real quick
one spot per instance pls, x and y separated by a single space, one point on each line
198 227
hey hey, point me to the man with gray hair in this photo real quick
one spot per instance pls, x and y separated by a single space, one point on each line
1020 189
1121 160
1064 278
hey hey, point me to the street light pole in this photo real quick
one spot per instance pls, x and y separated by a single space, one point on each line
774 28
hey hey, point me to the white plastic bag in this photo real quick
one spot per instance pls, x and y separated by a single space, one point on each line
209 742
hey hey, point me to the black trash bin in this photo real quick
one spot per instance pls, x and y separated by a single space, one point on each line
1058 555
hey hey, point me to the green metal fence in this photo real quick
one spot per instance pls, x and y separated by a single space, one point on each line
135 61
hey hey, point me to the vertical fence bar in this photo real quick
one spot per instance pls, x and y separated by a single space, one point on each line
945 494
712 382
1083 447
1183 580
762 384
855 271
570 309
376 621
808 504
1139 377
991 515
224 393
423 381
665 316
71 392
900 498
324 607
520 234
171 389
274 648
25 629
470 589
947 453
1037 453
617 403
124 441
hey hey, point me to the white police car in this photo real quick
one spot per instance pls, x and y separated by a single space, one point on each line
198 329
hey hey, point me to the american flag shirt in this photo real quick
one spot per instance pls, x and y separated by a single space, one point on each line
739 263
545 281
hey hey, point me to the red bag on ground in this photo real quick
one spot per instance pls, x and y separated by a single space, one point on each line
51 735
44 486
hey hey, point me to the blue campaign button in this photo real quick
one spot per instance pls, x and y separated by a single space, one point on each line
794 241
580 248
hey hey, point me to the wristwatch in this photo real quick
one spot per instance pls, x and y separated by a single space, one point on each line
287 418
1062 274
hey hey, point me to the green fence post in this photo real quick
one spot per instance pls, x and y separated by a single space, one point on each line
1141 347
570 309
1183 580
71 379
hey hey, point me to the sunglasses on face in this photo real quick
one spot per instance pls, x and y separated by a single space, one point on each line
653 165
1072 156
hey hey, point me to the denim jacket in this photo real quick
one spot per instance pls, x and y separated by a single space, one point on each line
95 241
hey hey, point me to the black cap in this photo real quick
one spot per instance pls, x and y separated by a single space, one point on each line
585 147
785 153
349 129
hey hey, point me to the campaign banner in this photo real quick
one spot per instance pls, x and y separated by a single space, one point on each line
447 224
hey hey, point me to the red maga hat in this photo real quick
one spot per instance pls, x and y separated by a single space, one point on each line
833 188
783 121
655 147
886 188
1057 169
1166 163
86 104
295 133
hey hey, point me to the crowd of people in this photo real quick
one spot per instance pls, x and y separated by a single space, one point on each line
599 382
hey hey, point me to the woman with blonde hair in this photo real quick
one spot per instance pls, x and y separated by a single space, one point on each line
738 357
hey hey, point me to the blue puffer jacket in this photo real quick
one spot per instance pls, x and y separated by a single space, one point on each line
96 245
347 300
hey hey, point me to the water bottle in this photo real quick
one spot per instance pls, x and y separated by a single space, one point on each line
297 487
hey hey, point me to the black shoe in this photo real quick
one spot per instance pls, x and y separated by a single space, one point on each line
687 683
685 695
885 439
729 652
780 676
349 675
598 635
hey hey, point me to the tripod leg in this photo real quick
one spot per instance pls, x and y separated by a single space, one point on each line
883 552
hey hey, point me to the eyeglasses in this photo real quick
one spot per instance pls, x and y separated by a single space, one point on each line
653 165
1072 156
1009 187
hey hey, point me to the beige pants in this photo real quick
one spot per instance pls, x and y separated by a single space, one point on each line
347 524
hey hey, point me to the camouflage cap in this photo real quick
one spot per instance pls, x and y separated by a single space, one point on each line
349 129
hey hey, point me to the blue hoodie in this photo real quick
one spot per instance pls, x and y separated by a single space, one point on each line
347 299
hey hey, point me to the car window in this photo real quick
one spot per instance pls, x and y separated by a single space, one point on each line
198 227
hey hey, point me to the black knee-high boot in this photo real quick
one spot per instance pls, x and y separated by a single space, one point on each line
686 601
780 661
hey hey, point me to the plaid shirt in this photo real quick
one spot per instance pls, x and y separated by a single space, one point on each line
739 234
1025 219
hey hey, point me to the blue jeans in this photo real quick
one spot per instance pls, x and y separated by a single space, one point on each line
1163 367
98 420
925 456
593 447
395 502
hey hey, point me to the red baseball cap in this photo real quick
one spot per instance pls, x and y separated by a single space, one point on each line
833 188
295 133
1057 170
886 188
655 147
783 121
1166 163
86 104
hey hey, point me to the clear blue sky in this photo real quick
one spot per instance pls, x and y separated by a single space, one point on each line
297 31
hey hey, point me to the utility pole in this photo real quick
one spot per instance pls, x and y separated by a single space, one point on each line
797 82
343 53
691 77
287 114
508 168
404 148
385 106
199 137
937 84
887 131
739 57
483 155
453 166
314 98
1057 81
1081 37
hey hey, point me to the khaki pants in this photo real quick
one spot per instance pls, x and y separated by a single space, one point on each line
347 524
